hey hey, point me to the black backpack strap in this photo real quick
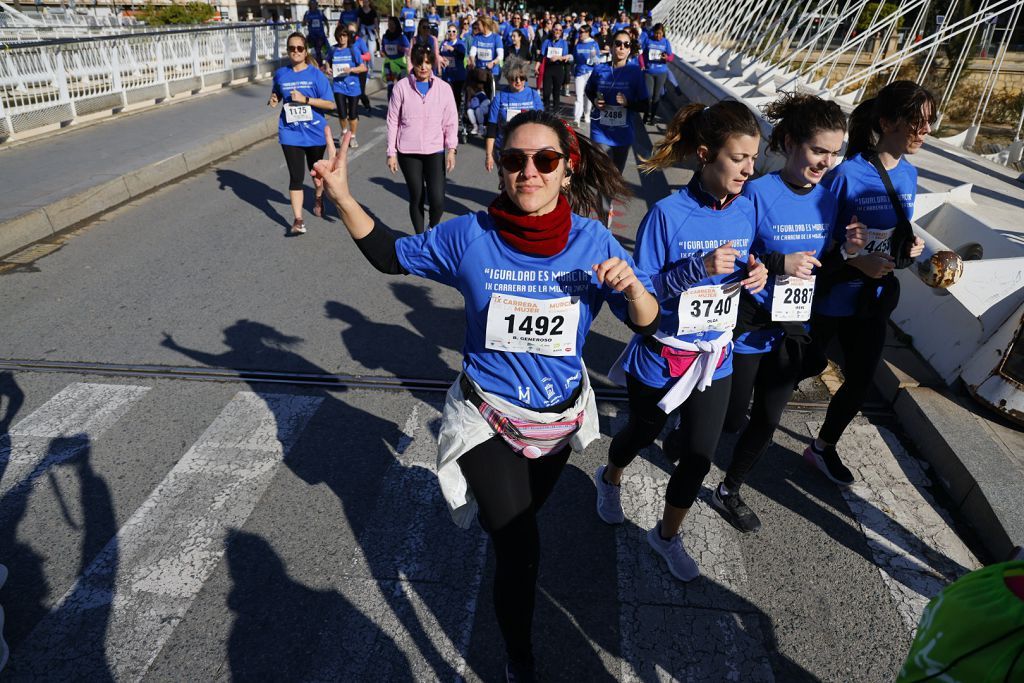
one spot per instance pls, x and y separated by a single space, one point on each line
903 235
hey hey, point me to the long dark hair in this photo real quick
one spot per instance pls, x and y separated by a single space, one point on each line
695 125
594 177
390 33
798 117
898 101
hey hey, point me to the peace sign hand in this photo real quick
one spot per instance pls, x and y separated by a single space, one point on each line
333 172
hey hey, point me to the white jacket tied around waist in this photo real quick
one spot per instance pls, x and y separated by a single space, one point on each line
463 428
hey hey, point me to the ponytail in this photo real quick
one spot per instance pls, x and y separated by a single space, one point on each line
899 101
695 125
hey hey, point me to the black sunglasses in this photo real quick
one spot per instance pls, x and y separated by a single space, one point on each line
620 43
545 161
296 48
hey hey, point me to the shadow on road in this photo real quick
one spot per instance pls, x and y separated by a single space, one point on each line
260 195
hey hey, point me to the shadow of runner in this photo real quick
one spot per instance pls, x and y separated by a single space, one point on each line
258 194
15 398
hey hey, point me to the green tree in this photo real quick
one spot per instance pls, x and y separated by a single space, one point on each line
869 13
189 13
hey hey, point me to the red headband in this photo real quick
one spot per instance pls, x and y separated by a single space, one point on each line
574 146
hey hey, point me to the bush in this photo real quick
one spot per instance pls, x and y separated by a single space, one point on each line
189 13
869 13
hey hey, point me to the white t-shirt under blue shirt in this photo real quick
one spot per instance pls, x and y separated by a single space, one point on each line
469 254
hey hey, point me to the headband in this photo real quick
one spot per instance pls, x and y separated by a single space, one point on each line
574 146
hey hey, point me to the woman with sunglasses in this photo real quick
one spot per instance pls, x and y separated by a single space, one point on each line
534 274
425 38
423 136
617 90
884 131
344 64
505 105
696 243
301 130
453 51
554 53
395 47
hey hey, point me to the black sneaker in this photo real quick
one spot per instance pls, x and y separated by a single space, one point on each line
735 511
829 463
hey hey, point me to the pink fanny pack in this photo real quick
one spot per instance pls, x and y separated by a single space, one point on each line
680 361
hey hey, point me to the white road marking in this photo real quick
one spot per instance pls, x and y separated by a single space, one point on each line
78 409
910 537
415 575
147 576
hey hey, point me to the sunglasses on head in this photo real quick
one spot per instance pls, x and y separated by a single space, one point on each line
622 43
545 161
296 48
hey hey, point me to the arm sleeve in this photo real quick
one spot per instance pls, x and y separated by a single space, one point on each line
492 114
500 54
774 261
681 276
394 107
472 52
378 248
538 103
449 120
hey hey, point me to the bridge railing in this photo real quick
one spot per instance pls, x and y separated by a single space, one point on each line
59 81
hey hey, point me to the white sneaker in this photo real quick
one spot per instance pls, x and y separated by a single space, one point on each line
609 501
353 144
4 650
576 123
680 564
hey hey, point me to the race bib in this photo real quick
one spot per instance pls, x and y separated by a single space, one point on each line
655 55
792 299
484 54
296 113
613 116
410 24
391 50
522 325
314 23
554 52
511 114
878 241
708 308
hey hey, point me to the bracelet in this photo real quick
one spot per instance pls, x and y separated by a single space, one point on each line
633 300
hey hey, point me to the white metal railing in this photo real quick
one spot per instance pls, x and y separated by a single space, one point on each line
57 81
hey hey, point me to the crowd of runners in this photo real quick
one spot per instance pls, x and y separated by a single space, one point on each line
735 288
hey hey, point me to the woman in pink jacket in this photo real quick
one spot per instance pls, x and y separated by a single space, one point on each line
422 125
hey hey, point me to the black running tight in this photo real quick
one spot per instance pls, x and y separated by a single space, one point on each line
424 172
700 426
554 80
510 489
299 160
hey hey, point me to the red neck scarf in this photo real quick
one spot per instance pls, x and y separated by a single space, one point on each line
544 235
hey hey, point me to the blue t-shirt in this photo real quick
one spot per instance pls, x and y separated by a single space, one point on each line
681 226
345 83
586 55
787 222
455 53
467 253
361 47
614 125
316 21
435 22
349 17
659 65
423 87
311 82
487 50
557 44
506 104
394 48
860 192
408 17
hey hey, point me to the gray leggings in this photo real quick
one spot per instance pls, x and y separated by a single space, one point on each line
618 155
655 84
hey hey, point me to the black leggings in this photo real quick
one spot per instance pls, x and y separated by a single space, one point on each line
655 84
510 489
554 79
300 160
362 87
861 341
770 377
700 426
619 155
460 106
424 170
348 107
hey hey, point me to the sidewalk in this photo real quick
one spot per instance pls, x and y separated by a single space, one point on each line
56 181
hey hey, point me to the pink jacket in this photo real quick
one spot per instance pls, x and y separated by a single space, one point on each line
420 124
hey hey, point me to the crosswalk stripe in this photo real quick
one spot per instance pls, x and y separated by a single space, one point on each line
414 574
147 576
912 544
78 409
716 635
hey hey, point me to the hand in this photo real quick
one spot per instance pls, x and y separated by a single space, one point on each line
721 260
800 264
450 161
295 94
917 248
617 274
757 275
599 103
168 341
274 100
393 165
621 99
875 265
856 236
489 162
333 173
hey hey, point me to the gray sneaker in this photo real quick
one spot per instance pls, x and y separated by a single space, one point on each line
609 501
680 564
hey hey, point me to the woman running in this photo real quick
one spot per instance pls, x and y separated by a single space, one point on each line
505 105
534 274
657 53
518 47
586 55
696 243
425 37
301 130
453 51
395 48
794 218
344 64
554 53
616 89
422 125
884 130
487 50
363 49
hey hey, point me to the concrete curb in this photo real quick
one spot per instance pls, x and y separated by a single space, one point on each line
44 222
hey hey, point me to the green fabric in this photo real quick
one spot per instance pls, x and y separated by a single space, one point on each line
397 67
971 632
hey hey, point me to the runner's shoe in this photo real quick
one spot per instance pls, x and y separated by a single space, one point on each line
829 463
679 562
298 227
609 499
353 143
735 511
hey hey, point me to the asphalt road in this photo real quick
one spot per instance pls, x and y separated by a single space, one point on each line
166 529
